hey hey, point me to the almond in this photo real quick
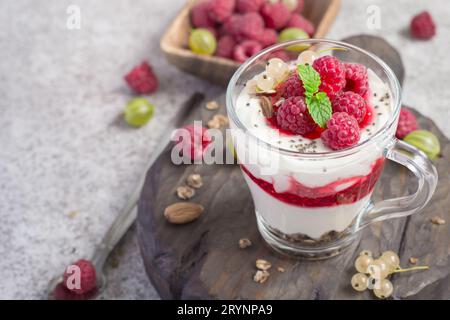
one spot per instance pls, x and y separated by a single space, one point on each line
266 106
183 212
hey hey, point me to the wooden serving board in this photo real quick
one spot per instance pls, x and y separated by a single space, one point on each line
202 260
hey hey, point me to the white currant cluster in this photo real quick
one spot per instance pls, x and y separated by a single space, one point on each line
276 72
373 273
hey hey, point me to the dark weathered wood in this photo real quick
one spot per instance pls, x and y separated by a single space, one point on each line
202 259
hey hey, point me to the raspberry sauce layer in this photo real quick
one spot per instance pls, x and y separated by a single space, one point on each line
324 196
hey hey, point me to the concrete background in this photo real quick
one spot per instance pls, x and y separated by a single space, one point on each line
67 162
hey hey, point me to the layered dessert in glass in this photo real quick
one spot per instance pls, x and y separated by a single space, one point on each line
299 141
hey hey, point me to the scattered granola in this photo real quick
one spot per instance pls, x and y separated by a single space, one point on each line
263 264
218 121
185 192
212 105
281 269
195 180
244 243
413 260
437 220
261 276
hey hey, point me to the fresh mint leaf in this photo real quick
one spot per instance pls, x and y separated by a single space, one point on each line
319 107
310 78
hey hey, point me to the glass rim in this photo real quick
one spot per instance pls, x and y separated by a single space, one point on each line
393 83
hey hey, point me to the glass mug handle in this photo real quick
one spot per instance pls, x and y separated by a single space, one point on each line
419 164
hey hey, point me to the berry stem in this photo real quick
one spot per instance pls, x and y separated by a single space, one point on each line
411 269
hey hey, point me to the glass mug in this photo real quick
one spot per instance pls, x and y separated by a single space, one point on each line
312 205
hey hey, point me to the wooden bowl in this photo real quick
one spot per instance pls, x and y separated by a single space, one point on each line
218 70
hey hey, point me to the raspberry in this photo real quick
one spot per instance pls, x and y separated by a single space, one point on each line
332 74
246 49
231 26
245 6
356 78
422 26
88 280
196 139
200 16
293 115
268 37
251 26
275 15
300 6
142 79
292 87
342 131
60 292
221 10
225 47
298 21
351 103
406 123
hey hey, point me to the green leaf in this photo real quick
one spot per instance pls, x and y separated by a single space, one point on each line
310 78
319 107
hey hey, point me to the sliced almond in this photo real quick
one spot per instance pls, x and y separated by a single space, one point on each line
185 192
244 243
438 220
280 269
183 212
280 102
263 264
261 276
266 106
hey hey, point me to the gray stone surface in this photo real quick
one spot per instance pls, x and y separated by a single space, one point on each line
67 161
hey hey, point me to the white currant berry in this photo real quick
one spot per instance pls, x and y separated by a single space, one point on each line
307 57
362 263
391 259
385 289
366 253
290 4
378 269
359 282
277 69
250 86
264 82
